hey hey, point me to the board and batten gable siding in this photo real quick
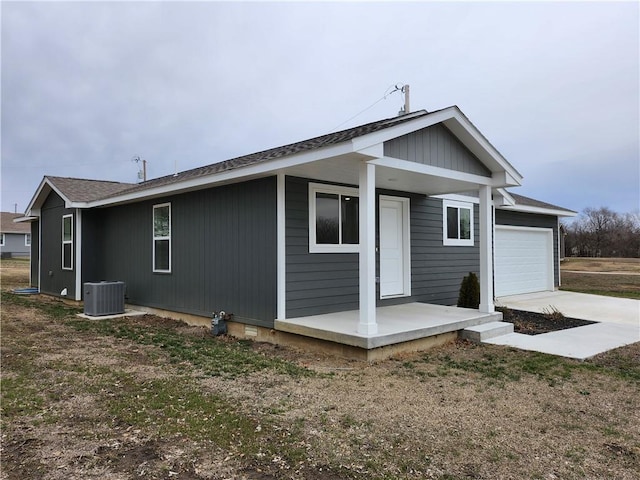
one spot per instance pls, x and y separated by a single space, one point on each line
438 147
522 219
318 283
53 279
224 247
35 254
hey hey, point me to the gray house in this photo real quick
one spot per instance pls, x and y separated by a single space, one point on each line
331 230
15 238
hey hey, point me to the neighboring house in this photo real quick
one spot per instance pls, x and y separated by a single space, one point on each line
15 238
391 212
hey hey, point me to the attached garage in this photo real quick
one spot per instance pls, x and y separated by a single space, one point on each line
524 259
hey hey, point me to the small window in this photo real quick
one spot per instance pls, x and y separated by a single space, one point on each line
2 240
67 242
162 238
333 219
27 239
457 223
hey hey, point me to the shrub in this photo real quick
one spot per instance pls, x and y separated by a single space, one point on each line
469 296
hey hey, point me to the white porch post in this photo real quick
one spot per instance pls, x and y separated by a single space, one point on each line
486 251
367 324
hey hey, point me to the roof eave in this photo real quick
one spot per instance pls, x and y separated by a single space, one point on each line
229 176
539 210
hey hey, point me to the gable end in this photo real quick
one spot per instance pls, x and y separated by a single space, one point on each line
438 147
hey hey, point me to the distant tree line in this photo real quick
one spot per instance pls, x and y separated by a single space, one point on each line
602 232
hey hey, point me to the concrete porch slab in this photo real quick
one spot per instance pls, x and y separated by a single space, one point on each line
396 324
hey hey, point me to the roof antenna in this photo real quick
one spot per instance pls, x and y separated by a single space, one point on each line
142 174
406 109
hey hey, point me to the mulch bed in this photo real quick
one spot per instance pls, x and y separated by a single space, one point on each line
532 323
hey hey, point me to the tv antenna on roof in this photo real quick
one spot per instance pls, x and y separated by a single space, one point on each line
142 174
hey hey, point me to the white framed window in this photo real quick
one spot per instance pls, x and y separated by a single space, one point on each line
333 219
162 238
457 223
67 242
27 239
1 239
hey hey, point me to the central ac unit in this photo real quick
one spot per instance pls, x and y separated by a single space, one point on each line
103 298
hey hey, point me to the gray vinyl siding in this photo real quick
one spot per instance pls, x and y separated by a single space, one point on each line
14 245
35 253
53 279
315 282
224 247
521 219
437 270
438 147
318 283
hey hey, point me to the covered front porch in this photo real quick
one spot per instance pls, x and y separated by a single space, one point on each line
396 325
377 264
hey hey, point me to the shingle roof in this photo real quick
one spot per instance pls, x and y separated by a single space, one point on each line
531 202
273 153
83 190
7 225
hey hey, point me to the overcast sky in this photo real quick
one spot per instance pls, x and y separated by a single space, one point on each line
86 86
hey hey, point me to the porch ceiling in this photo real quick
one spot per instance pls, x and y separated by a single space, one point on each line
344 169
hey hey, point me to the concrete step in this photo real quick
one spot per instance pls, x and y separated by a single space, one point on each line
480 333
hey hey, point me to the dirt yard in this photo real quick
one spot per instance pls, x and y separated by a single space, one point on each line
156 399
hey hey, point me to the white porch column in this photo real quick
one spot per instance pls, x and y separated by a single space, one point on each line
282 252
486 251
367 324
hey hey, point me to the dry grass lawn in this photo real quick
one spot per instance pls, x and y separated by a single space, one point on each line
618 277
153 398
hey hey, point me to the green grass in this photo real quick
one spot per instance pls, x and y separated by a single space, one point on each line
56 310
212 356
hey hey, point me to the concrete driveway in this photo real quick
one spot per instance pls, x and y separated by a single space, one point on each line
597 308
619 323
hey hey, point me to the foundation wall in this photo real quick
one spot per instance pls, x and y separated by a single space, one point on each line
309 344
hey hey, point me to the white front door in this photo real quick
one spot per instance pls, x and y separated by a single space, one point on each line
394 247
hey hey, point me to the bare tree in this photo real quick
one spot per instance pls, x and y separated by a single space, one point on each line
601 232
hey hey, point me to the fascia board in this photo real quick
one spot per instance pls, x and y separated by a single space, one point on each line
460 126
365 141
38 196
271 166
432 171
506 196
25 219
457 197
469 135
540 210
44 182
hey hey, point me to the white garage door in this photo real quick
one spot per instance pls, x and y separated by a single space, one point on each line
523 260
